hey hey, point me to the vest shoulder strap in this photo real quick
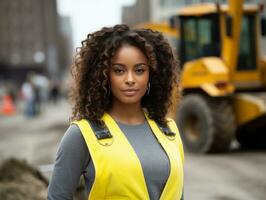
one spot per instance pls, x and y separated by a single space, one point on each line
101 132
166 130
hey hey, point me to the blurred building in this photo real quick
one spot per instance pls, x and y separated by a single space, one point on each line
163 9
66 49
29 39
151 11
137 13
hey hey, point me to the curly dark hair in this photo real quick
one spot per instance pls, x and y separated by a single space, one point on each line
90 88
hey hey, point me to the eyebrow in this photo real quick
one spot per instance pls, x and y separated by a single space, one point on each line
125 65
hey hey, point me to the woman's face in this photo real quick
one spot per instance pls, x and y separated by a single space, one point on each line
129 75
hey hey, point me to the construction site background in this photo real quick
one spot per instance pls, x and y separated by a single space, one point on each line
35 55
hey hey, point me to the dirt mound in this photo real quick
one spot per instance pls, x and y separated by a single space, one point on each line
20 181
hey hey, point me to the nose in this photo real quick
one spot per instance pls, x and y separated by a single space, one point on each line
130 78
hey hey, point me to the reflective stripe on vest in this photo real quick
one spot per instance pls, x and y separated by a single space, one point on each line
118 171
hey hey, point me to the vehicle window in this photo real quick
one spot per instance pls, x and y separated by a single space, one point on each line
200 37
247 48
190 38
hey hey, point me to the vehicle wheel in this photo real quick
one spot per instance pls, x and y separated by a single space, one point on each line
206 124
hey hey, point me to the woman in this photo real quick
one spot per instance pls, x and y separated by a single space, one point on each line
120 139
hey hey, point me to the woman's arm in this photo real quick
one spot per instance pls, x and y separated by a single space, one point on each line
71 160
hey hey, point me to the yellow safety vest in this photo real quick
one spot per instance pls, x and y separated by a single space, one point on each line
118 171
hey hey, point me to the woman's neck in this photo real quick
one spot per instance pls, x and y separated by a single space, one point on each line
127 114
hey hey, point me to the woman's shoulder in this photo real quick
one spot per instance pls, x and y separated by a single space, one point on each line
73 133
73 140
73 145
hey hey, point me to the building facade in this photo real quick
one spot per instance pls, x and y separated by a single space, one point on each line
29 39
136 13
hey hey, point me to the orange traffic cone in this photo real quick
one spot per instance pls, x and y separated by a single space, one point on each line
8 107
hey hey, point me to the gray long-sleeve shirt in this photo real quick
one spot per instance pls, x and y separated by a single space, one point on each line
73 160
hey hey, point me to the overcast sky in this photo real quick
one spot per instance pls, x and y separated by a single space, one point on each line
90 15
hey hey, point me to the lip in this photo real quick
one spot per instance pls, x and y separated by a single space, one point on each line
129 92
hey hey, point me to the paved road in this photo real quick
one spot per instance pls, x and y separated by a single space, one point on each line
238 175
34 139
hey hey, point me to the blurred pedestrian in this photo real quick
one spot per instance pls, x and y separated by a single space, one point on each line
37 101
120 139
27 91
54 93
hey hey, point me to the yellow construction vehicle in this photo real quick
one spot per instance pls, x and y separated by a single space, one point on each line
223 76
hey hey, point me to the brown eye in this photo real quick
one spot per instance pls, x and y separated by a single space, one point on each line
118 71
139 70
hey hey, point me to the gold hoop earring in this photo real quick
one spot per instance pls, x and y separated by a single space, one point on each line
148 88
